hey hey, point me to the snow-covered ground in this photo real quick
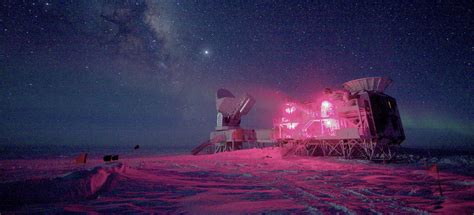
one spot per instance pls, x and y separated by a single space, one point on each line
246 181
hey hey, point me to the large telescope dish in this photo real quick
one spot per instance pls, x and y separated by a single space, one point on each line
378 84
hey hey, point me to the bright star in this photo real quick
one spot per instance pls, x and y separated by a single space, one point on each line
206 52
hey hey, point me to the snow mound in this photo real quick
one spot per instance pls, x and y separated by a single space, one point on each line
83 184
254 181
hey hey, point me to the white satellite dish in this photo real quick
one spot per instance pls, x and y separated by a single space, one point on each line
228 105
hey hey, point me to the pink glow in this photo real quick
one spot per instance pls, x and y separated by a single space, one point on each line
292 125
247 185
325 104
326 109
299 121
328 123
290 109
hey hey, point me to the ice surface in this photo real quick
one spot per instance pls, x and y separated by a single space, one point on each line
246 181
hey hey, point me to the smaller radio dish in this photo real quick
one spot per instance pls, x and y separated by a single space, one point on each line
223 93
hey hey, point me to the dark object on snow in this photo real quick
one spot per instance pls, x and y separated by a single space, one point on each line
82 158
107 158
137 147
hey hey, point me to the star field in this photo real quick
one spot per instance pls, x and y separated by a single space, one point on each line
124 72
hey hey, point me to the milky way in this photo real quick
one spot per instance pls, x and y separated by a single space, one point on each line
122 72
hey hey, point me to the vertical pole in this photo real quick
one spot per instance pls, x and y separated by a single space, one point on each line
439 182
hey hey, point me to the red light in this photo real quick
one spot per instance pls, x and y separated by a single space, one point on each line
318 119
290 109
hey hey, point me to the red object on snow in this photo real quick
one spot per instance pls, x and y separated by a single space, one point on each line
81 159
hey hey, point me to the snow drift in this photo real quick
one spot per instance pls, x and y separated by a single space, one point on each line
84 184
251 181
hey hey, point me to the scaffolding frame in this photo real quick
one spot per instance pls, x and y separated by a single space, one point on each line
369 149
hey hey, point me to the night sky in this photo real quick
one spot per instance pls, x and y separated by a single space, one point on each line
105 73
